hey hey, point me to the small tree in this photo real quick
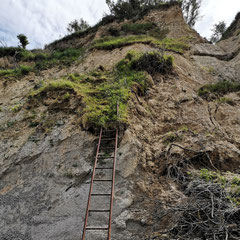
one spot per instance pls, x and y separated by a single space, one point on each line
191 11
23 40
77 26
218 31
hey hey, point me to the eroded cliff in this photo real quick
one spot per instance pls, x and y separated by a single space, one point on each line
174 137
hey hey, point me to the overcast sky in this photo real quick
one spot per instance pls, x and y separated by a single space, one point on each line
44 21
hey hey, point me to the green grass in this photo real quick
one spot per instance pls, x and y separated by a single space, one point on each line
64 57
219 88
226 100
52 86
137 28
109 43
100 91
42 60
18 72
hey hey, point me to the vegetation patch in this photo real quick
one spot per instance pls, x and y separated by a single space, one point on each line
42 60
151 62
109 43
137 28
45 60
206 213
229 101
230 183
210 208
220 88
100 92
9 51
17 72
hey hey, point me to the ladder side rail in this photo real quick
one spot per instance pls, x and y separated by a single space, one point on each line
91 187
113 183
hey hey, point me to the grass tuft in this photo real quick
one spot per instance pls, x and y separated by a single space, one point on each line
18 72
109 43
219 88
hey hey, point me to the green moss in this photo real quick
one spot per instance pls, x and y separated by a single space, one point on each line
52 86
220 88
109 43
236 181
16 108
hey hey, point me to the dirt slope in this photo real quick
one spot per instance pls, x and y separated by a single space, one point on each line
171 130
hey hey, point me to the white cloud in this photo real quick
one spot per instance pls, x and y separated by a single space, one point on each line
214 11
44 21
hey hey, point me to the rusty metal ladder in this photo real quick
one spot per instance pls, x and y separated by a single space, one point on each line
103 137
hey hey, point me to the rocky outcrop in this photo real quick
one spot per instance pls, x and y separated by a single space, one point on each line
222 59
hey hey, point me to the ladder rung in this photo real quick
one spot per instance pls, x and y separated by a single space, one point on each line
103 148
103 168
96 229
104 180
104 157
101 194
108 139
98 210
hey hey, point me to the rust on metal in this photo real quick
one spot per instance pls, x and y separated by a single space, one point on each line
111 195
91 186
113 184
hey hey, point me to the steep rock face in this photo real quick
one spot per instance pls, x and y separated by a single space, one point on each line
223 59
44 175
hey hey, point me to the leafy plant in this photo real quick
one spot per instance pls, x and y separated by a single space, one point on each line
191 11
23 40
77 26
218 31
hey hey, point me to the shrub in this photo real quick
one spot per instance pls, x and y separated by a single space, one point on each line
114 31
77 26
137 28
153 62
25 70
218 30
23 40
9 51
220 88
128 9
